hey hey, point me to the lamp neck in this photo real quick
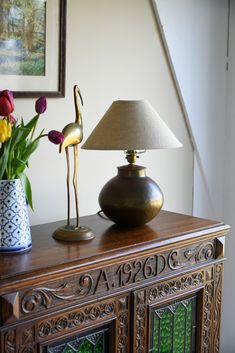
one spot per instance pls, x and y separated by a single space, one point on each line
131 156
131 170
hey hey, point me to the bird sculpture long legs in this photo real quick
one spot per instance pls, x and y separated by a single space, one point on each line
75 174
73 135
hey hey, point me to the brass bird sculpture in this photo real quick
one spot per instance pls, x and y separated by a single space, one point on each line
73 135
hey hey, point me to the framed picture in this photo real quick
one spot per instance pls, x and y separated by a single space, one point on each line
32 47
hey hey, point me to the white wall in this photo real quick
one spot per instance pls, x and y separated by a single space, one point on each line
113 51
196 35
228 327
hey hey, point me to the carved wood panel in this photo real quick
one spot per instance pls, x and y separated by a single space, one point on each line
26 339
123 325
75 319
217 306
109 279
140 335
9 341
207 317
208 280
154 295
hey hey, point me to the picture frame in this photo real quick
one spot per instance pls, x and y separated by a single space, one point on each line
33 65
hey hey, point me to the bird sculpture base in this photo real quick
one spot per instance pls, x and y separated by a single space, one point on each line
72 233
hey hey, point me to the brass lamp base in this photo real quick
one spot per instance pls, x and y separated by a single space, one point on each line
131 198
72 233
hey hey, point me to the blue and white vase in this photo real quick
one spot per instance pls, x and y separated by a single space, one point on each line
15 233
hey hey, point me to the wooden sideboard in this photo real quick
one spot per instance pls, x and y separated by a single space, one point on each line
127 290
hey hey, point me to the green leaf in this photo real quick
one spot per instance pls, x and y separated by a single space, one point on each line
31 147
4 158
32 123
27 189
14 153
19 134
19 167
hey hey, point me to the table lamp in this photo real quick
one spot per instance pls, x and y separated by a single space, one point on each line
131 198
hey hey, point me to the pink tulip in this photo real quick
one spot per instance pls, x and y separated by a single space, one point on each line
41 105
55 137
6 103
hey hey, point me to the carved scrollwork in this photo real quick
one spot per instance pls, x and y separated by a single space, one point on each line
207 317
217 310
75 318
205 252
45 296
111 278
179 258
10 342
122 339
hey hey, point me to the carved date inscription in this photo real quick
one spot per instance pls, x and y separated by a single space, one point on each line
110 278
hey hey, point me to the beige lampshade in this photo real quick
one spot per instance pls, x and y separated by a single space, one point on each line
131 125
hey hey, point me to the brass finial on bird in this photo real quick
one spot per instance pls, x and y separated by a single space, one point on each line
73 135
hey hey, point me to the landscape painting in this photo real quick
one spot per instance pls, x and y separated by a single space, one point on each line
22 37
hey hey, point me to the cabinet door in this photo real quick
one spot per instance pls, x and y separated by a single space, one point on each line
179 315
101 327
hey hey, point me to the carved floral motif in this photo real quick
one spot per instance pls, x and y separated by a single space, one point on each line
140 337
175 286
75 318
123 325
210 278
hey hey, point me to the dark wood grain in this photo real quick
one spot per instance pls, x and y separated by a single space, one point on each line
109 241
61 289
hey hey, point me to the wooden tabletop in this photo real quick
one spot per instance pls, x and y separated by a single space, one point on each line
110 241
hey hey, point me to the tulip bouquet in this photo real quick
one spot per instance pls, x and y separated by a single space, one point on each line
18 141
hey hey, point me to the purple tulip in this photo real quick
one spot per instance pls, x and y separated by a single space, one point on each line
55 137
41 105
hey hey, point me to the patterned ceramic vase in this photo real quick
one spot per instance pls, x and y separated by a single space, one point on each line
14 221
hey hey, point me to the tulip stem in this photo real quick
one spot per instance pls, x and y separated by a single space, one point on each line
40 136
34 128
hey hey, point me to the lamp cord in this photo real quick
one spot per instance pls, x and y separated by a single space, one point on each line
101 214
